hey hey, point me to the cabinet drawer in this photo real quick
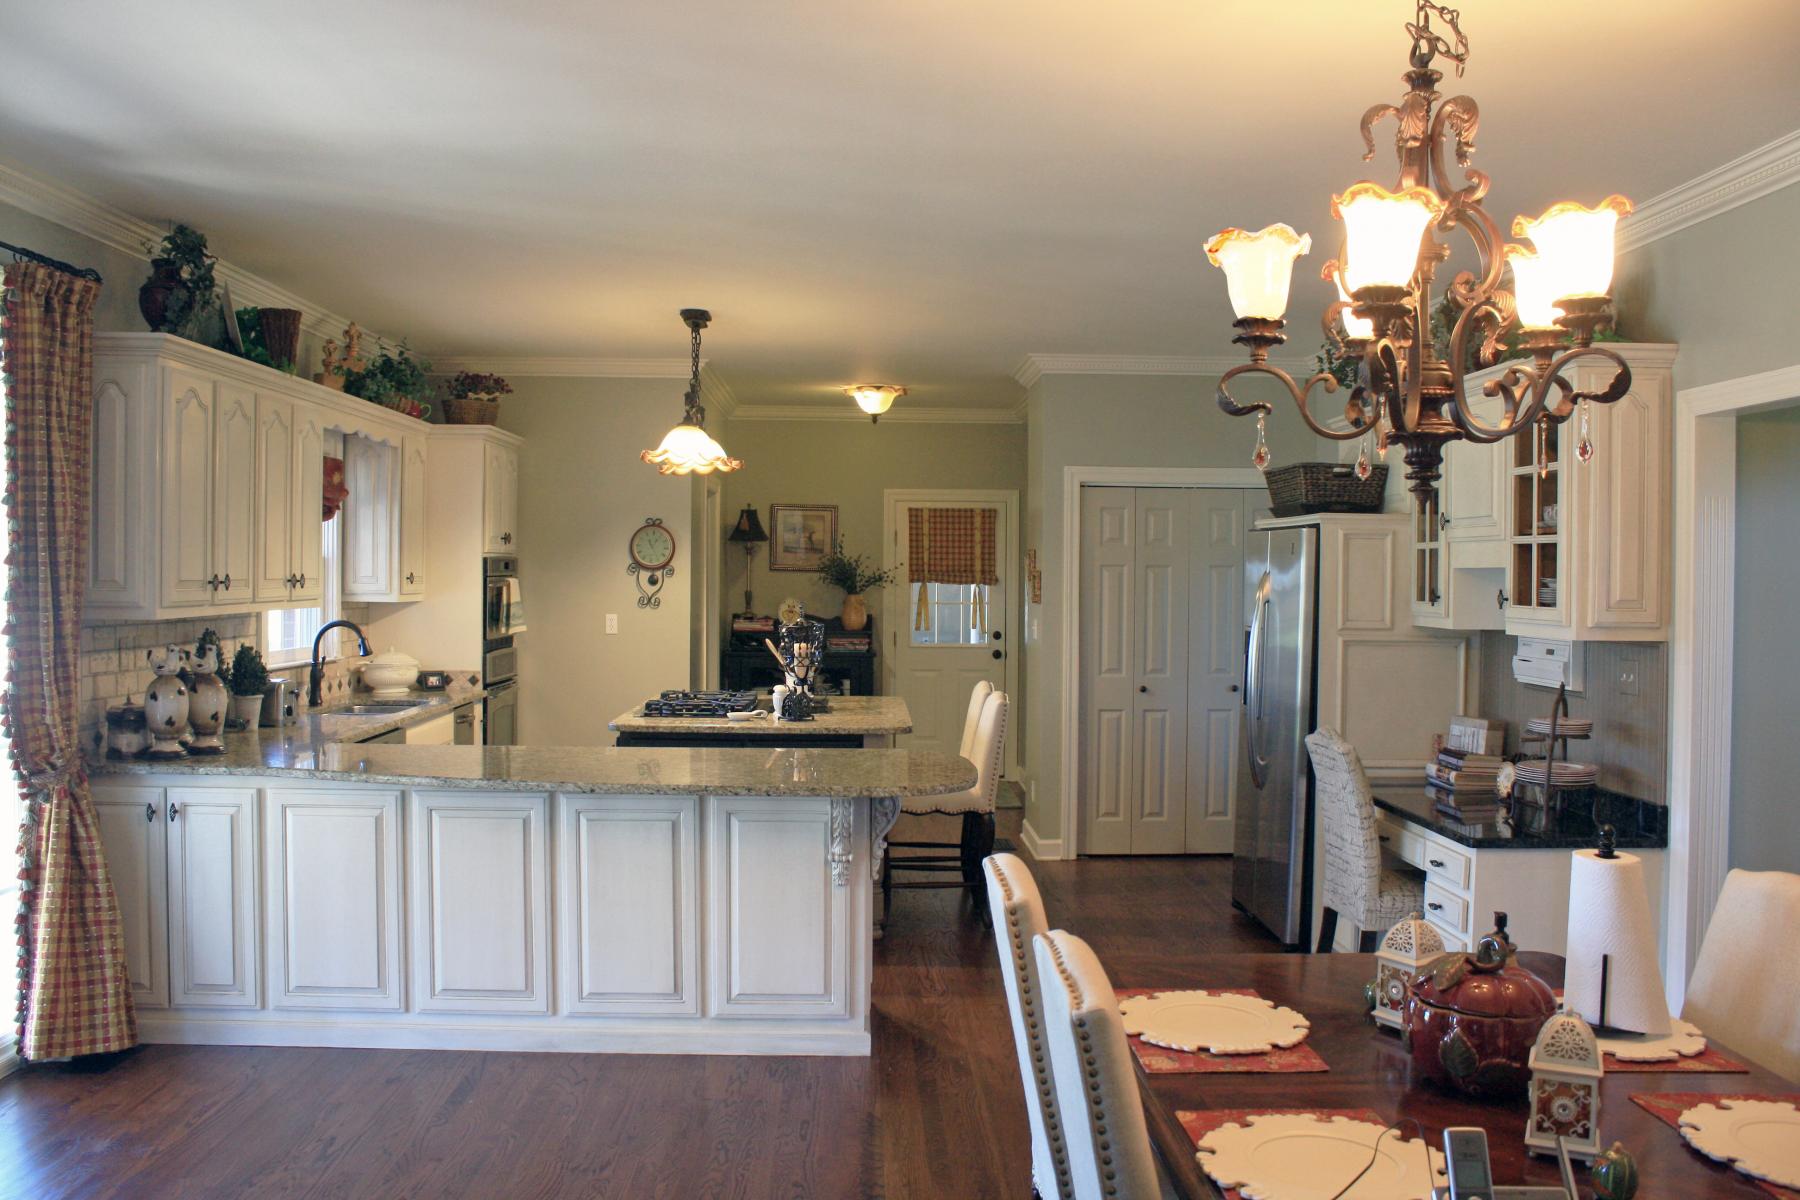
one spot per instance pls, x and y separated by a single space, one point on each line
1445 866
1446 908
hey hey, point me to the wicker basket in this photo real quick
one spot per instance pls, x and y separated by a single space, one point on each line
470 412
1320 487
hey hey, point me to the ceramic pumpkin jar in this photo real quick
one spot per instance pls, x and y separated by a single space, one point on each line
1471 1020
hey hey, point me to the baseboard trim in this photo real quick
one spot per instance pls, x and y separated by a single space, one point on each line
1042 849
563 1037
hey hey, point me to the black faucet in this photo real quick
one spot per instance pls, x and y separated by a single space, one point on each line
315 675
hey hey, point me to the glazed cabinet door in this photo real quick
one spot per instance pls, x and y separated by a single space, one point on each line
133 832
500 499
234 497
636 854
333 869
120 563
189 409
480 919
212 898
371 474
412 517
307 557
778 920
274 499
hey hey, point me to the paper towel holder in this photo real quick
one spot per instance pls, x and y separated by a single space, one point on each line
1609 843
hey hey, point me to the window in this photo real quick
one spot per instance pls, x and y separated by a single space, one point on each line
952 608
288 632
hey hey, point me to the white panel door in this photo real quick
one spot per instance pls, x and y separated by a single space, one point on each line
333 866
212 898
481 902
133 834
234 496
187 516
779 925
1160 671
1109 690
412 517
637 855
309 504
274 499
1215 665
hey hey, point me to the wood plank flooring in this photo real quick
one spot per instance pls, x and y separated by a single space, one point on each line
937 1111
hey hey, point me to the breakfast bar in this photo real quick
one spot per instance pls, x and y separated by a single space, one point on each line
844 721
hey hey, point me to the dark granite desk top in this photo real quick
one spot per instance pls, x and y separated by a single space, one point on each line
1640 825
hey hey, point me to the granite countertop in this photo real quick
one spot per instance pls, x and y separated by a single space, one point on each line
848 715
1639 824
677 770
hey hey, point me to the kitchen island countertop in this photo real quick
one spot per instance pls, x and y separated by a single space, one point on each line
857 715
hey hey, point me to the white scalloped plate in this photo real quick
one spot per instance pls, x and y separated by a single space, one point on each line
1217 1022
1684 1040
1761 1138
1296 1156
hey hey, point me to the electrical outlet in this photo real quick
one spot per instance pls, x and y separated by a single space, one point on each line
612 622
1628 676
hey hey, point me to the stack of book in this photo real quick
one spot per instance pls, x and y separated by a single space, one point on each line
1477 735
760 625
1463 780
840 641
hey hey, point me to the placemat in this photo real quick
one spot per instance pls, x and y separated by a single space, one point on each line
1199 1124
1298 1059
1708 1062
1667 1107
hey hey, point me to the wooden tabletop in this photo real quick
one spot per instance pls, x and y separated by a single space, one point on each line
1370 1069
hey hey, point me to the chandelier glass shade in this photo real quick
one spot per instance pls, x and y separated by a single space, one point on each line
875 398
688 449
1410 390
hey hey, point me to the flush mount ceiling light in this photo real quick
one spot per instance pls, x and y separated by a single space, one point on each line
874 398
688 449
1407 393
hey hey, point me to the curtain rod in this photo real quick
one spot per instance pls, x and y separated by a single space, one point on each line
21 254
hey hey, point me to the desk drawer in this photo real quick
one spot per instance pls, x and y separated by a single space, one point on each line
1448 867
1446 908
1403 841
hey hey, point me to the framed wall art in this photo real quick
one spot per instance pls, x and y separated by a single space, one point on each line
800 535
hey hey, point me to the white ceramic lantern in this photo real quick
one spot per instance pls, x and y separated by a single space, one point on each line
1565 1088
1411 946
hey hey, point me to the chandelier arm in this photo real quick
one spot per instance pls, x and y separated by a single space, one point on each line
1456 121
1353 409
1473 219
1616 388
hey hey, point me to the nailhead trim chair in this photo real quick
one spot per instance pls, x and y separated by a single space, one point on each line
1018 911
1356 884
1096 1085
1744 984
977 697
976 807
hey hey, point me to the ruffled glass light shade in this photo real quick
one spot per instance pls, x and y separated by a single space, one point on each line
1533 288
689 450
1258 267
875 398
1382 232
1355 328
1575 245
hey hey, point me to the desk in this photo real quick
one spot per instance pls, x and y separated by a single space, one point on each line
1370 1069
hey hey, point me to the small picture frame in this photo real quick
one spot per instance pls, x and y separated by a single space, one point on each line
800 535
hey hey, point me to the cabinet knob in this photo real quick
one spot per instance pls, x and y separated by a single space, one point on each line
1434 906
506 539
1436 862
1444 521
302 581
174 811
1143 687
409 577
227 583
213 583
149 812
1500 598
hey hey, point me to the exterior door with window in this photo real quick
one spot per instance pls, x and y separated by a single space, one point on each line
948 614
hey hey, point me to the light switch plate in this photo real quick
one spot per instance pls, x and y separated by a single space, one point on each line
612 622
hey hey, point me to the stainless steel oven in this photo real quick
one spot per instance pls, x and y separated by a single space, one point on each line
500 573
501 723
499 657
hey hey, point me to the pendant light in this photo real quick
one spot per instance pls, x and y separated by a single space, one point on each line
688 449
875 398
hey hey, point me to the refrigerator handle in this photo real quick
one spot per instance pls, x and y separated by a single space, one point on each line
1253 684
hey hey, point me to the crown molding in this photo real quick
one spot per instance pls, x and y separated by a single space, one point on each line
900 414
119 230
564 368
1035 366
715 393
1754 175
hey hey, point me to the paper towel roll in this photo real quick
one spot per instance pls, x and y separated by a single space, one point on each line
1609 915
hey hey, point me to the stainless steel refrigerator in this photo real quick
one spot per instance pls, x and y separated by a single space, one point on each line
1272 847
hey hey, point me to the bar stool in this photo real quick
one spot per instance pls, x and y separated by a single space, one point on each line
1356 884
977 697
975 806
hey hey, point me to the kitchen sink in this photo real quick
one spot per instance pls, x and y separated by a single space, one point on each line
377 708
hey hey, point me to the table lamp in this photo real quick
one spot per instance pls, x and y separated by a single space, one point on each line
748 532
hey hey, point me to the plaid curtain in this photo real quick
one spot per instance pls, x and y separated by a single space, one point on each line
75 995
951 545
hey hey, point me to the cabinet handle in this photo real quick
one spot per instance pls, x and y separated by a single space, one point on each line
213 583
1434 906
409 577
1444 521
1381 837
228 583
149 812
174 810
1500 598
506 539
1436 862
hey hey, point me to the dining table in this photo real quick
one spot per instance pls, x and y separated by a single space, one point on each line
1368 1068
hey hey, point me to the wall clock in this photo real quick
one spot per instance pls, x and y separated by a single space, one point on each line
652 549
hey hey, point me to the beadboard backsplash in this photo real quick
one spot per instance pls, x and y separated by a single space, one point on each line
1631 729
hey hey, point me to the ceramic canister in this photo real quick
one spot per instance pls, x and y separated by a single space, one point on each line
206 704
166 702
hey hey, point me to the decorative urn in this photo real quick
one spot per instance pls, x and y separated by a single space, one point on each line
391 673
166 703
1565 1088
1471 1020
207 702
1411 946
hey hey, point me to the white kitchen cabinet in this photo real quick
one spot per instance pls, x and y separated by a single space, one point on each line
1459 548
636 854
276 463
307 544
480 902
413 466
234 496
500 499
384 519
190 410
212 888
779 923
133 833
1588 542
439 731
334 926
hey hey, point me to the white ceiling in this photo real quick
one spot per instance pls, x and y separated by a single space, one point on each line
910 191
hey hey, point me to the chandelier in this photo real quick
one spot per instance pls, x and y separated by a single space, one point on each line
875 398
1408 392
688 449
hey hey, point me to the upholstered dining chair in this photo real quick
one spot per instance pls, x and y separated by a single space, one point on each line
1357 886
977 697
1096 1085
1018 912
1743 988
975 807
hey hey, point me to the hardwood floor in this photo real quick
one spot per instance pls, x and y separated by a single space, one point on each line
937 1111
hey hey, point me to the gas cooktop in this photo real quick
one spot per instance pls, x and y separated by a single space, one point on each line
699 704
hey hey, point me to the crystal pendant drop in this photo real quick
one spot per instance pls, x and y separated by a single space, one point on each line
1543 449
1259 458
1363 469
1584 449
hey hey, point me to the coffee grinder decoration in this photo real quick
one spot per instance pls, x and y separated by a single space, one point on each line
207 701
1411 946
801 648
166 703
1565 1088
652 549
